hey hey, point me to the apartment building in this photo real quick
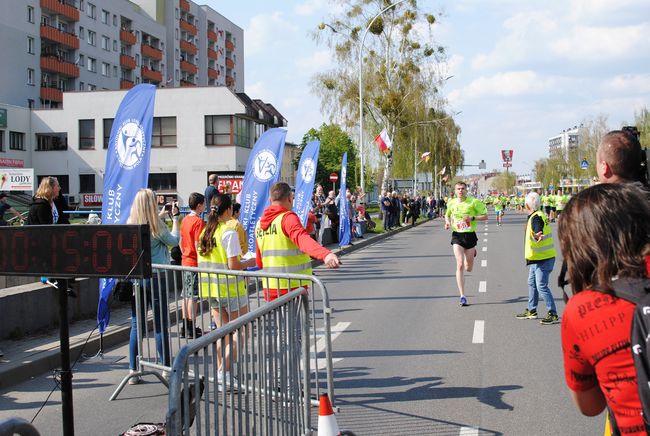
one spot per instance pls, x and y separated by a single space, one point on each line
559 145
56 46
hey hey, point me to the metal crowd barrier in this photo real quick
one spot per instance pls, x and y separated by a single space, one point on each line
268 388
161 300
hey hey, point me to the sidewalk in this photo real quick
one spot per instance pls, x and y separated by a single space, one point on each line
37 354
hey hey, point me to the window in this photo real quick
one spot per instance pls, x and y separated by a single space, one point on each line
108 125
114 45
86 183
81 86
217 130
137 60
16 141
30 76
163 133
30 45
91 11
162 182
86 134
114 20
106 17
92 38
30 14
114 70
106 69
82 5
82 62
30 104
242 132
82 32
51 141
92 87
92 65
106 43
2 140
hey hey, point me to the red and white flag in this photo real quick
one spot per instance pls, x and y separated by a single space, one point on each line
426 156
383 141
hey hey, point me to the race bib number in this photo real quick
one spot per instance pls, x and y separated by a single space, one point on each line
462 225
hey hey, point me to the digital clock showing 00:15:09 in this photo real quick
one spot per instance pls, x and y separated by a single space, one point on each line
76 251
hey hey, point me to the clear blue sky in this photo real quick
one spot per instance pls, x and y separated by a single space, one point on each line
523 70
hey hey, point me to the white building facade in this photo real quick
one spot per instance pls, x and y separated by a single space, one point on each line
559 145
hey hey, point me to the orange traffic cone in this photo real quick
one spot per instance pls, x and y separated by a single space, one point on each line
327 425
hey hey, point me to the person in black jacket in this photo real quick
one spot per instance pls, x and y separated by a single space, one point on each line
61 204
42 210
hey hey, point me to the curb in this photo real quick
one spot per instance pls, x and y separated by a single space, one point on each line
20 370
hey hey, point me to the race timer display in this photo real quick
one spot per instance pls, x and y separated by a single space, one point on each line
76 251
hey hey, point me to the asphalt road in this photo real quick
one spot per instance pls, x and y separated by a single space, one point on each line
408 359
415 363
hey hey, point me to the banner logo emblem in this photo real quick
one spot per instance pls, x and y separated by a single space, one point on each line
308 170
265 165
130 144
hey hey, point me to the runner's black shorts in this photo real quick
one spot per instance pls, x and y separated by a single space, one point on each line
466 240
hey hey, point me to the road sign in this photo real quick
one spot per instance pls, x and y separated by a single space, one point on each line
584 164
507 164
334 177
506 155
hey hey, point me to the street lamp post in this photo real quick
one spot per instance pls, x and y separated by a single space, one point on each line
365 33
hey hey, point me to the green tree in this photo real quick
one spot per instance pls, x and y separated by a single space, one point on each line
334 141
401 76
504 181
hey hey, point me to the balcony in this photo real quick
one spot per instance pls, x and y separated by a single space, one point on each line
230 81
127 62
56 65
213 54
151 52
188 67
184 5
186 26
52 94
212 36
55 35
230 64
65 9
230 46
188 47
154 76
213 74
127 37
186 84
126 84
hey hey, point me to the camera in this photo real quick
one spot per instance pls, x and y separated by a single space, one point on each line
168 207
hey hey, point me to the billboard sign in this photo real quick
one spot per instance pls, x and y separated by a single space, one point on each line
506 155
17 179
230 183
11 163
92 200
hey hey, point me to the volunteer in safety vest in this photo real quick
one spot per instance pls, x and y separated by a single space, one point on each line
283 244
461 216
539 252
219 248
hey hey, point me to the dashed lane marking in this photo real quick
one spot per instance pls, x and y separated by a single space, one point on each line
468 431
484 248
484 263
485 240
482 286
479 330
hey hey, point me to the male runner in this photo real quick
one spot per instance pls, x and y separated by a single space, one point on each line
462 213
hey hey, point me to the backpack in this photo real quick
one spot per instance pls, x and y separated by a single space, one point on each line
637 291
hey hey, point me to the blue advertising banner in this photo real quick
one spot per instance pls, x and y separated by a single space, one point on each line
344 226
262 171
305 180
127 170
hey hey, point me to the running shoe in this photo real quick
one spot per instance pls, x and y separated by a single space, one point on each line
527 314
213 325
463 301
551 318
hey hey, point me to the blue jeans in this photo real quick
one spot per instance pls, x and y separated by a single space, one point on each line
538 274
156 294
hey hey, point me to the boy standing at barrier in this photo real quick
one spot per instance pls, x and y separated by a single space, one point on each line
284 246
191 228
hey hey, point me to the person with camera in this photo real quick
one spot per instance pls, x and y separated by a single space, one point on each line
620 159
144 211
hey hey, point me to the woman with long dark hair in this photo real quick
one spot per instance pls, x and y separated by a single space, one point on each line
605 236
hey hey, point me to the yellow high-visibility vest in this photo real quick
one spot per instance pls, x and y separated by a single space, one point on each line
219 285
281 255
539 250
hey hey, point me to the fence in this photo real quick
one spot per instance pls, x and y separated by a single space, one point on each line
271 392
160 331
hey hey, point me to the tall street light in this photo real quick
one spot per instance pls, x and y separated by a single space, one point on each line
365 33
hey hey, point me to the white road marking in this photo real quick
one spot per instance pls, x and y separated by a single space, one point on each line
468 431
482 286
485 240
320 344
485 233
484 248
479 327
484 263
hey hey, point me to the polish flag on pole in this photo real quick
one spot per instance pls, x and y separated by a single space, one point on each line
384 142
426 156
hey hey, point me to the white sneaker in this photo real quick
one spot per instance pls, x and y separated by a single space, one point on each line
231 381
136 379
